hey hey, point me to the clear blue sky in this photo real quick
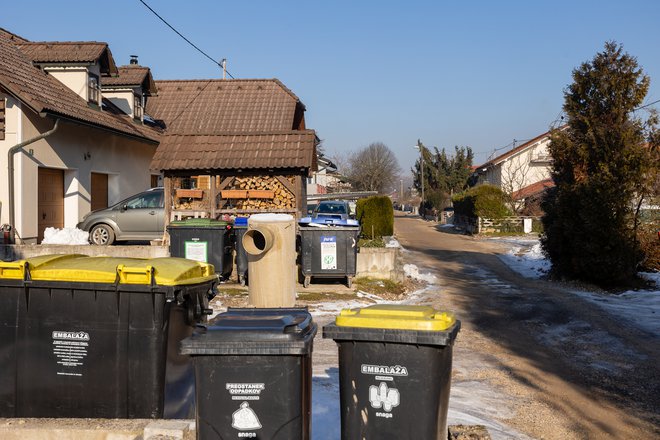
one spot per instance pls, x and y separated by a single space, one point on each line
472 73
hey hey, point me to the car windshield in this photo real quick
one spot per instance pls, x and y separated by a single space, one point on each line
332 208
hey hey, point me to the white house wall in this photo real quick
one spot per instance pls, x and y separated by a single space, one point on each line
74 78
124 99
79 151
13 136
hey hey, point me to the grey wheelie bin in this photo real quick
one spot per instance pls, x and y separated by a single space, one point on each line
394 371
253 374
205 240
328 249
98 336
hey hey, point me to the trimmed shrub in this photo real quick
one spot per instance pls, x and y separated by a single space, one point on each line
485 201
376 216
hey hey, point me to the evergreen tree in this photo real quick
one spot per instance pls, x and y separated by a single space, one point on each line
602 164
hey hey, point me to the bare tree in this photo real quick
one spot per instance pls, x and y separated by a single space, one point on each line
515 175
373 168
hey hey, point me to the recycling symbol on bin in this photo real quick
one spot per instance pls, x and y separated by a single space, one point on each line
383 397
245 419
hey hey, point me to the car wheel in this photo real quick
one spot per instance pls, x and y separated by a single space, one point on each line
101 235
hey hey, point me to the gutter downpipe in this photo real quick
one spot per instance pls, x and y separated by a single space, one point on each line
10 165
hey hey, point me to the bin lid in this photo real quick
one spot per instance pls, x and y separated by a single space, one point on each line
243 331
241 221
327 221
166 271
200 223
395 323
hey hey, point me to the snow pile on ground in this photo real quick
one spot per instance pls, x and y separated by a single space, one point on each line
639 307
393 243
72 236
412 271
527 261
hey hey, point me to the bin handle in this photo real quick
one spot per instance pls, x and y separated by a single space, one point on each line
135 275
13 270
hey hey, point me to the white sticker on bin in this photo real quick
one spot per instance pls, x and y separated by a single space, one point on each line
70 350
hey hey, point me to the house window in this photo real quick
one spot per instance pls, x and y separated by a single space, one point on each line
137 107
93 89
2 119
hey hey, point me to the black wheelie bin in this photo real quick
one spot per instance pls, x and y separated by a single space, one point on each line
205 240
394 371
253 374
98 336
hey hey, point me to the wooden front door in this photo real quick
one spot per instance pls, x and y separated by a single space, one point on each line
99 191
51 200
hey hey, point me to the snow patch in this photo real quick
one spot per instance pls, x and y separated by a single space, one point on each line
412 271
71 236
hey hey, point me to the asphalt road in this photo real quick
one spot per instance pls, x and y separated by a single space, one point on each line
567 369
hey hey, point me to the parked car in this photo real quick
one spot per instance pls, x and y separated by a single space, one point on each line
140 217
332 209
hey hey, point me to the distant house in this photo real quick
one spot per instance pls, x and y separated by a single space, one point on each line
66 147
241 143
522 172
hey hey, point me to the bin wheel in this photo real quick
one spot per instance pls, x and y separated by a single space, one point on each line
306 281
349 282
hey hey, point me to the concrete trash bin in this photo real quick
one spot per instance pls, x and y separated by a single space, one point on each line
394 371
270 243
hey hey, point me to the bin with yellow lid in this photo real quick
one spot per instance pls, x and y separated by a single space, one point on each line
98 336
394 371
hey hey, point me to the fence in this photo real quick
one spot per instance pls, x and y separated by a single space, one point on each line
506 224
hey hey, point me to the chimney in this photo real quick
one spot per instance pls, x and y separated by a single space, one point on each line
134 60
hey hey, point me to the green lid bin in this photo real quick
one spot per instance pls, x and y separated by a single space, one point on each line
98 336
394 371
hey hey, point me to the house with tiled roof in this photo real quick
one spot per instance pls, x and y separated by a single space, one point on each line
522 172
230 136
66 147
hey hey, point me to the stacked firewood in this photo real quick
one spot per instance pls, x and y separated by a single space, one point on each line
263 193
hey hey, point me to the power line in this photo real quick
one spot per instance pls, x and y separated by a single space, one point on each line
647 105
187 40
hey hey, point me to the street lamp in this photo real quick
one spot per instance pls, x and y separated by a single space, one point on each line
420 147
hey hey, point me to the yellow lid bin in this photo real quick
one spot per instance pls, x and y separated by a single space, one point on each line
77 268
98 337
394 370
395 317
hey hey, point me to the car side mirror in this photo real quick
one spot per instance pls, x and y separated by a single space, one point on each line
124 207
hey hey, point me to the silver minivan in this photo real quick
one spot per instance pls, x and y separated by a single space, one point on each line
140 217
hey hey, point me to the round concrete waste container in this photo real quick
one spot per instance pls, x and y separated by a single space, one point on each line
394 371
270 242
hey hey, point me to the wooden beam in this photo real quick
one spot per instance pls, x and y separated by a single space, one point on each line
225 183
284 181
167 192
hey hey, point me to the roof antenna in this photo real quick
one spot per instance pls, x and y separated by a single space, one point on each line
224 68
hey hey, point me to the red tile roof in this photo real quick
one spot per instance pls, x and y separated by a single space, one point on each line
46 52
215 106
237 151
533 189
132 75
44 94
231 125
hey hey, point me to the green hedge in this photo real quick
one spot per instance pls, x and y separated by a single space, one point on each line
485 201
376 216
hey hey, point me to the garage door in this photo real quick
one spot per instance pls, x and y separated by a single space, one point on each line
51 200
99 191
